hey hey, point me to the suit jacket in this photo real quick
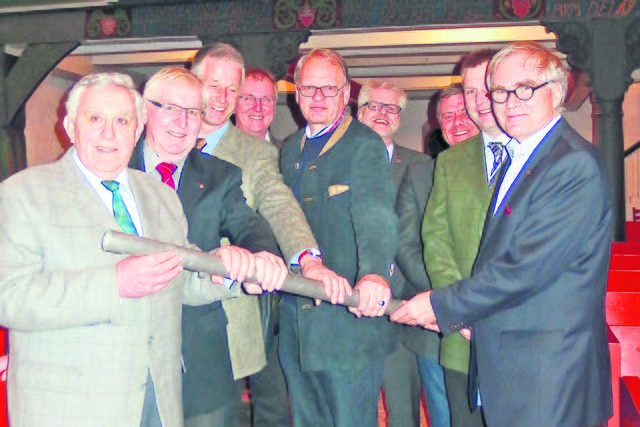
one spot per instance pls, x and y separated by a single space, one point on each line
348 199
536 295
410 207
209 189
452 228
80 354
264 190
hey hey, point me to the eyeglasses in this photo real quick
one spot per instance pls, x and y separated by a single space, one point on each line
249 100
377 106
173 110
327 91
523 93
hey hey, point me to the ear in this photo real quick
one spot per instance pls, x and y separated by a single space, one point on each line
297 96
557 95
347 94
360 113
70 128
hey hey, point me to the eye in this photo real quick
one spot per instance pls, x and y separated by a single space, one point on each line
122 121
172 108
471 91
95 118
447 117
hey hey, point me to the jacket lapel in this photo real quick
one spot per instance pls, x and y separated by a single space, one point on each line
76 191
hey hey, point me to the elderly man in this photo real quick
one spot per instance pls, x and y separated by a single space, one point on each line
535 298
464 182
338 169
256 106
95 339
209 189
379 106
220 67
452 116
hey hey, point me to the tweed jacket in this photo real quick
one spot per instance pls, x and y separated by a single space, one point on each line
80 354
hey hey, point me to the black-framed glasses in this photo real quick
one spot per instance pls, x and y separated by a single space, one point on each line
174 110
522 92
249 100
327 91
377 106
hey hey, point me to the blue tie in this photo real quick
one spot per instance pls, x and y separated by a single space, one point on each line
120 211
496 148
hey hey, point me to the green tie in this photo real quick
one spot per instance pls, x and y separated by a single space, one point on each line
120 211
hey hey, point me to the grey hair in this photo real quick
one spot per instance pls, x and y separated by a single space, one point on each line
372 84
221 51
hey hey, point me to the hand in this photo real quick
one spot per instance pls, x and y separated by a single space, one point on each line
270 274
335 287
466 332
375 294
4 364
239 263
417 311
139 276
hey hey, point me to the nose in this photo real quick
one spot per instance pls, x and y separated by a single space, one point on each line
108 129
257 105
221 94
482 97
182 118
318 96
512 100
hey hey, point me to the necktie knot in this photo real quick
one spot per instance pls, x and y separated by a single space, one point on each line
120 212
166 171
497 150
200 143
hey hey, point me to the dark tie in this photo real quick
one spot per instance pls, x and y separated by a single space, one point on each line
166 171
120 211
496 148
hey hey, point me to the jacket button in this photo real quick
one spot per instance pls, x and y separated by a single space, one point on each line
308 199
312 167
306 306
296 165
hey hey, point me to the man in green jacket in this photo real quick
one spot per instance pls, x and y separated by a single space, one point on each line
453 223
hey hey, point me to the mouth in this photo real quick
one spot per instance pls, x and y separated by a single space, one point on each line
216 108
253 117
461 132
177 134
381 121
106 150
484 112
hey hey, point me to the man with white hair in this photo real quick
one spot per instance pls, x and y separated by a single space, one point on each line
535 298
380 104
95 337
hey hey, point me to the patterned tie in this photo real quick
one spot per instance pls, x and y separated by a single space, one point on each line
120 211
166 173
496 148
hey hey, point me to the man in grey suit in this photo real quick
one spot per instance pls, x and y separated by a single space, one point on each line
535 298
209 189
95 337
220 67
380 104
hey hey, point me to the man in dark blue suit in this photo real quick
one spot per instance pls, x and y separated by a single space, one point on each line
535 299
218 346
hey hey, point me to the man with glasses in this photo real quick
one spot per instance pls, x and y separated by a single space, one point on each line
535 298
254 113
220 68
338 169
256 106
464 182
380 104
209 189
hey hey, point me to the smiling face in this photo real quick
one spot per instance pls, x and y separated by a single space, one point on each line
105 130
477 101
221 79
454 121
319 110
173 137
521 119
384 123
256 117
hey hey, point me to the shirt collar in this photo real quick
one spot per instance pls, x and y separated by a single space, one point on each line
390 149
213 139
502 139
95 180
325 130
525 147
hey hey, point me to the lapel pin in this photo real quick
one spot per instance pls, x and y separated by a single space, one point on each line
296 165
398 160
507 210
201 186
528 172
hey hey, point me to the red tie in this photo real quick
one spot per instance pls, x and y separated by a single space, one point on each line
166 171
